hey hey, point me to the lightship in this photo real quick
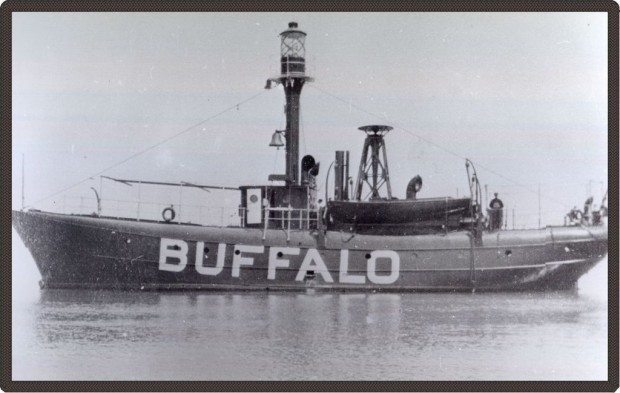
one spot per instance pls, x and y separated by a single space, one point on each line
362 238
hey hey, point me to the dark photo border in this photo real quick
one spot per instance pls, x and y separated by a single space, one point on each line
11 6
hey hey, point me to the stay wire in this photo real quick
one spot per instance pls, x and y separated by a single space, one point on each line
166 140
436 145
275 158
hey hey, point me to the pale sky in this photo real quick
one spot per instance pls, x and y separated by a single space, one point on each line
524 94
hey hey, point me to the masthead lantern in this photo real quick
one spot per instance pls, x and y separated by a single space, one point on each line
293 51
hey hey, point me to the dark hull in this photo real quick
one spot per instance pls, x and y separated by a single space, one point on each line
89 252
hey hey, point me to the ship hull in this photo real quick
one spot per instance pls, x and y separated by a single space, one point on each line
95 253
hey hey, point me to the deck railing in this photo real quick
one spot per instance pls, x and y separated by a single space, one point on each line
288 218
223 216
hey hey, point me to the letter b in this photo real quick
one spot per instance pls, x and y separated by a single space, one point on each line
172 248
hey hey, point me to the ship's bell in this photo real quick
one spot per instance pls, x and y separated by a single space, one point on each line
276 139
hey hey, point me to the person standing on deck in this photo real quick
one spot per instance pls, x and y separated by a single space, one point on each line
495 213
496 203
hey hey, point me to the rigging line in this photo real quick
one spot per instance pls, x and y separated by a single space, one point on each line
282 117
186 130
571 184
351 105
275 158
436 145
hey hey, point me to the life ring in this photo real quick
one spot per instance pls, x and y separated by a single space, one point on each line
169 217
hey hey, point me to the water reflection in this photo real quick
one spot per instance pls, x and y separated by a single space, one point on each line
76 296
99 317
260 335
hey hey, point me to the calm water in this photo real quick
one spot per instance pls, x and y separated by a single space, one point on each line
67 334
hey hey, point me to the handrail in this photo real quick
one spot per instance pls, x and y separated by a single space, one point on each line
140 210
287 219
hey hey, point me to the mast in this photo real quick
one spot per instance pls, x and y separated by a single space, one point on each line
292 77
373 168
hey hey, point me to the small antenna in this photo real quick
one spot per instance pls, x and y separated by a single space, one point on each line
23 181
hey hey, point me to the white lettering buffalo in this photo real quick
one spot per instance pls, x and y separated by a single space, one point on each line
173 258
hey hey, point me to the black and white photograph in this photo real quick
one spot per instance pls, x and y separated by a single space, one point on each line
309 196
